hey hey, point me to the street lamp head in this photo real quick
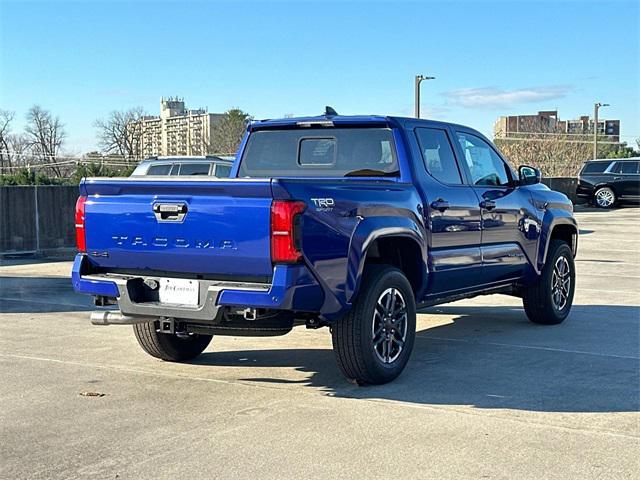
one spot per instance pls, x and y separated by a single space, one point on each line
422 77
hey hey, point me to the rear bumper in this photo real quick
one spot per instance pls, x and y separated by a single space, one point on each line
584 191
292 288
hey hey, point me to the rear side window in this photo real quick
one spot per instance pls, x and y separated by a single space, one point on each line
437 154
626 167
595 167
223 171
194 169
325 152
159 169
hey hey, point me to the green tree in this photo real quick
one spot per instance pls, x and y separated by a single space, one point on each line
227 133
25 176
621 150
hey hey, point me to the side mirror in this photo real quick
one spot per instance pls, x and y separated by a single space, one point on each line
529 175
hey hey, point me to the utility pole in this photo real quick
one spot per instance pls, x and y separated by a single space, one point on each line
596 107
419 79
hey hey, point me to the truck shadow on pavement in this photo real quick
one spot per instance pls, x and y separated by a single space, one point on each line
41 294
490 357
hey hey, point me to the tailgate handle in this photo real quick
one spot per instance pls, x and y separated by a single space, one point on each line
170 212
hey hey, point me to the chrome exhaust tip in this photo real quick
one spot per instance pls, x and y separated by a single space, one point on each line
114 317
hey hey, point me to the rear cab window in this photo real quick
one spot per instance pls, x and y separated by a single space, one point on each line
320 152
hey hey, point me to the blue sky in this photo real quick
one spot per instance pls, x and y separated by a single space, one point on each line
83 59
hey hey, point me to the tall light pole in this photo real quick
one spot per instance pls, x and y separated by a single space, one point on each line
419 79
596 107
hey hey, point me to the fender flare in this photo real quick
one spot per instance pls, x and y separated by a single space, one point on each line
366 233
551 220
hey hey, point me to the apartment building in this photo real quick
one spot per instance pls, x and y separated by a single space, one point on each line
584 125
548 121
177 131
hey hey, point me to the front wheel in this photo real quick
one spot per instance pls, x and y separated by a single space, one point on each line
372 344
171 347
549 300
604 197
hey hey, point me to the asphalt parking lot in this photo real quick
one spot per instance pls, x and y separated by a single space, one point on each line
486 393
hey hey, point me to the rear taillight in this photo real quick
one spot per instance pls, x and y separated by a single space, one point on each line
284 242
81 242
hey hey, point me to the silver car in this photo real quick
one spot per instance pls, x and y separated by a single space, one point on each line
212 166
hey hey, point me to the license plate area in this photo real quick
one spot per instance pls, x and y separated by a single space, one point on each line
178 291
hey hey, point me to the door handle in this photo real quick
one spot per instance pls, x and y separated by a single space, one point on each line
440 205
488 204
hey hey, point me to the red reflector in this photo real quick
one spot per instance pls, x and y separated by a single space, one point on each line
283 231
81 243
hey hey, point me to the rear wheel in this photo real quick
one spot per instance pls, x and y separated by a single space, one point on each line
604 197
372 344
549 300
172 347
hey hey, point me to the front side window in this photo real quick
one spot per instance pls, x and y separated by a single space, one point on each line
320 152
628 168
438 155
485 166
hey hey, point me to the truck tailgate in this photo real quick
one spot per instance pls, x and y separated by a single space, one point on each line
210 227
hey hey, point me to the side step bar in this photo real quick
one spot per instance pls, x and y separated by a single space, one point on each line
111 317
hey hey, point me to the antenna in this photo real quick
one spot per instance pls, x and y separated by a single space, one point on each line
329 111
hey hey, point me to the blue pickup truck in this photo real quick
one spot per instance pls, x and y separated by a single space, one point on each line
349 222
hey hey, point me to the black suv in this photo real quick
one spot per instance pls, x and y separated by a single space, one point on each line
605 182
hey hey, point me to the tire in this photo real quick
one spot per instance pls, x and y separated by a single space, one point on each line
170 347
604 197
540 303
358 358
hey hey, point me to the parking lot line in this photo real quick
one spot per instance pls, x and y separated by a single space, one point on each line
530 347
456 409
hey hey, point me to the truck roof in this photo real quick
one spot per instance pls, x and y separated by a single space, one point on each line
344 120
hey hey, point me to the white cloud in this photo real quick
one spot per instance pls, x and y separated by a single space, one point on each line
497 97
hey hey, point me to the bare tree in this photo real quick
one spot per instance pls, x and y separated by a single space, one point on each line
121 132
6 117
46 135
18 148
227 133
